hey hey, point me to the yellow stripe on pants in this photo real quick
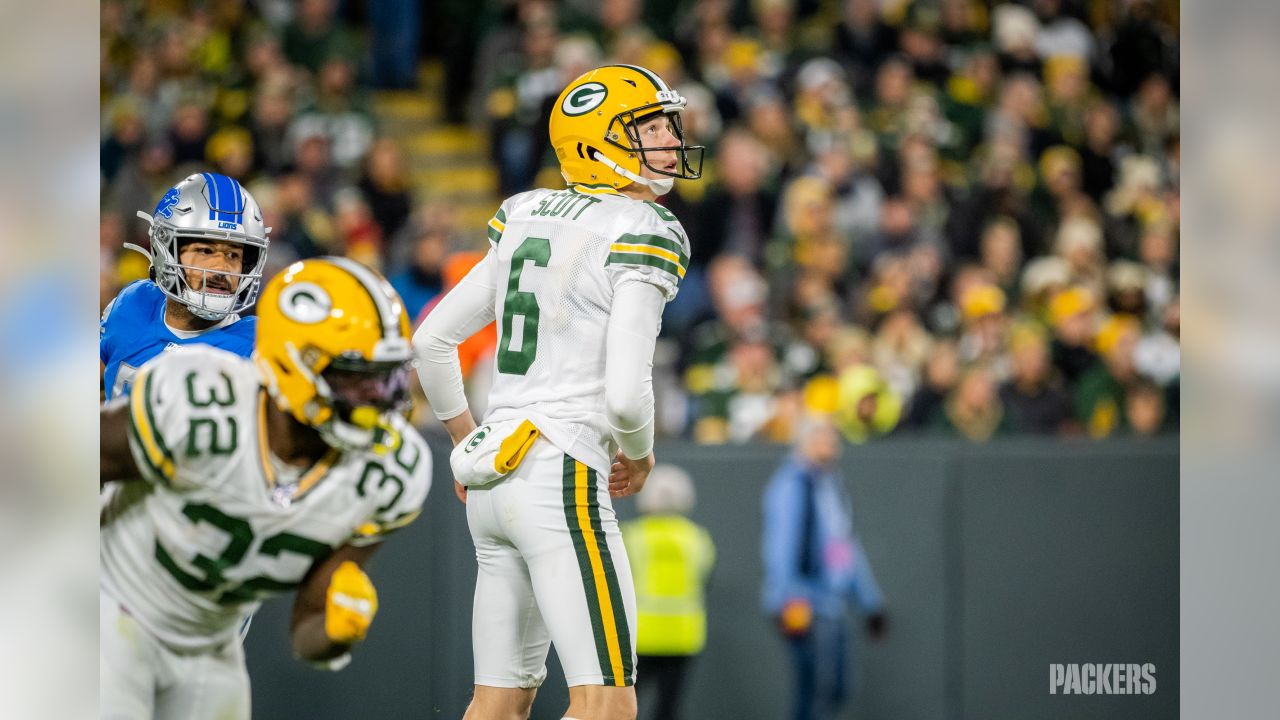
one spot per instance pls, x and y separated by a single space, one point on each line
597 571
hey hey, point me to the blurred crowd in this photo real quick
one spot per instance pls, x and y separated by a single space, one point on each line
956 217
940 216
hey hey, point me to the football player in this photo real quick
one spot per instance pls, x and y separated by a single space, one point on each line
577 280
240 479
208 249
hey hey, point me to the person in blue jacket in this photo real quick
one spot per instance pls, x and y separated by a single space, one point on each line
814 566
208 251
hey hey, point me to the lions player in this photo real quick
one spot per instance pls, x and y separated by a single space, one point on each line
577 280
242 479
208 249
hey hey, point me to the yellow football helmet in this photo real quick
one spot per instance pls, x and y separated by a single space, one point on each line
333 345
594 129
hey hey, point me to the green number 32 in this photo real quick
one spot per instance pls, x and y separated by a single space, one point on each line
524 304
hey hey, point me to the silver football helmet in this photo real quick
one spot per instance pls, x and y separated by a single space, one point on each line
209 207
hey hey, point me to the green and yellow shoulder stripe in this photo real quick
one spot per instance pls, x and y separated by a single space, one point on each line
666 252
497 225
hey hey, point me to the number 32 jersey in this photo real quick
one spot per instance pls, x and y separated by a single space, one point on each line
217 523
560 256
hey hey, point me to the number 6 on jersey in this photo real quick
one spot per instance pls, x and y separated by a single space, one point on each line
511 360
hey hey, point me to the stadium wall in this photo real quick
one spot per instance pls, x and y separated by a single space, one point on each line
996 561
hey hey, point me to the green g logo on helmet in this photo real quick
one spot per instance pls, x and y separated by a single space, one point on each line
476 439
584 98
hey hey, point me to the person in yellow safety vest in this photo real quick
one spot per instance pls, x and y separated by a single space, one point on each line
671 557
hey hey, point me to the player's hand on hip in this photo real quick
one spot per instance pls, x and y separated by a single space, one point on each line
350 604
627 476
461 491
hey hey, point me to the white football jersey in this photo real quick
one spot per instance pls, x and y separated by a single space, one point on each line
560 255
217 523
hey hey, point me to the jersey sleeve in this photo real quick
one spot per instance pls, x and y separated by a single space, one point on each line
656 252
400 483
184 414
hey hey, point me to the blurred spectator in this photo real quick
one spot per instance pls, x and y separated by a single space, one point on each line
984 329
385 186
900 349
230 150
1079 242
1144 408
737 214
141 180
1159 254
317 36
269 124
1132 204
973 410
123 142
671 558
941 373
1059 191
857 192
1015 31
518 107
1100 395
814 566
359 235
1001 254
815 326
1142 46
313 160
1100 150
300 227
1033 398
339 113
738 296
1041 280
862 41
1154 115
1061 35
769 120
189 133
1127 288
868 407
1073 317
1157 355
423 280
740 401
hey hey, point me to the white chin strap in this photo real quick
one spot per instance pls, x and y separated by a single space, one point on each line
661 187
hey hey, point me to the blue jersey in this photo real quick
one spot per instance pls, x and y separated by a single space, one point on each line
133 331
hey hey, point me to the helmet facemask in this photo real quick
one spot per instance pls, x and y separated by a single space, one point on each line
688 157
362 397
221 292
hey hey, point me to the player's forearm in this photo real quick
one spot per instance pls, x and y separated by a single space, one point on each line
632 335
311 644
460 426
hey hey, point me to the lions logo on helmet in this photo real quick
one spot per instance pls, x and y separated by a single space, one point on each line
333 345
165 207
212 208
594 125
